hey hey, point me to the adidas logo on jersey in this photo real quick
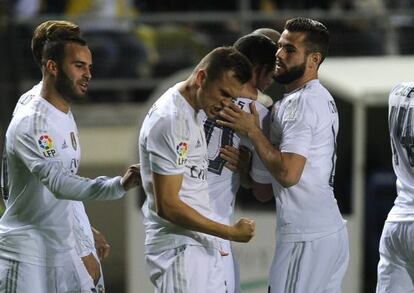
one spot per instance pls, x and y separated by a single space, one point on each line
198 145
64 145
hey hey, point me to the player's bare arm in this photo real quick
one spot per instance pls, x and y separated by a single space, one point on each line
171 208
285 167
101 244
92 266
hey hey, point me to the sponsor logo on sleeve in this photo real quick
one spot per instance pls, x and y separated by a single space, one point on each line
182 151
47 146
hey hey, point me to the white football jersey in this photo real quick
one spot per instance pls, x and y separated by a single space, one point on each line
305 122
171 142
401 122
85 243
43 153
223 183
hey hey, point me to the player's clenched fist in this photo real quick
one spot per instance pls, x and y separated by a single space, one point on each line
243 230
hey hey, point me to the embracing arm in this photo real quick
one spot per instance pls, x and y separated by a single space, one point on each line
171 208
285 167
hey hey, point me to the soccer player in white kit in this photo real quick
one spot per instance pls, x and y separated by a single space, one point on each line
37 241
181 253
91 245
311 253
396 265
223 183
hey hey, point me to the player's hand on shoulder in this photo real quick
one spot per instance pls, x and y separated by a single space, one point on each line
243 230
132 177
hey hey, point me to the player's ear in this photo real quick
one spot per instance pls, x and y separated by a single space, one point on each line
315 59
201 76
51 67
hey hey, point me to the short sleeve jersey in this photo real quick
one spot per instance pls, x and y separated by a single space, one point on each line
305 122
223 183
401 122
43 152
172 142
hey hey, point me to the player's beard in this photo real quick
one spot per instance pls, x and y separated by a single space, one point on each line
65 86
291 74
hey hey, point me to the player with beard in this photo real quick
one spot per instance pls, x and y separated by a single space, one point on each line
37 243
312 244
91 245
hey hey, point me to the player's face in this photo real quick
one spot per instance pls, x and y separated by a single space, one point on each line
265 78
214 95
291 57
74 72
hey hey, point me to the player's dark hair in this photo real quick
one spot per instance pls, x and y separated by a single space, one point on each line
223 59
51 30
317 35
55 50
259 49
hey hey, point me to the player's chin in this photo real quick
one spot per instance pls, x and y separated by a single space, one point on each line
78 96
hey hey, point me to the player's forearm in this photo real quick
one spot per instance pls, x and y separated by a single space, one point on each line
65 185
185 216
271 157
245 179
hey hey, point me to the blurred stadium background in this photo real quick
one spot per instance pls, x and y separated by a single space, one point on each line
142 47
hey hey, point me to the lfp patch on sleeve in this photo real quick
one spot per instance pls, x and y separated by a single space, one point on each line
47 146
182 151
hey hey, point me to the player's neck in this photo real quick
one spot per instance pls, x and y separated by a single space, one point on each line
189 93
50 94
300 82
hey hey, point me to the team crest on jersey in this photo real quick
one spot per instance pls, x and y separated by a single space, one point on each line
46 145
73 139
182 151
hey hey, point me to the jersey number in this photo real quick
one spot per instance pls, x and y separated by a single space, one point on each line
216 164
402 131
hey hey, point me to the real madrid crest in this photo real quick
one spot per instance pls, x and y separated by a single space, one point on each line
73 139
